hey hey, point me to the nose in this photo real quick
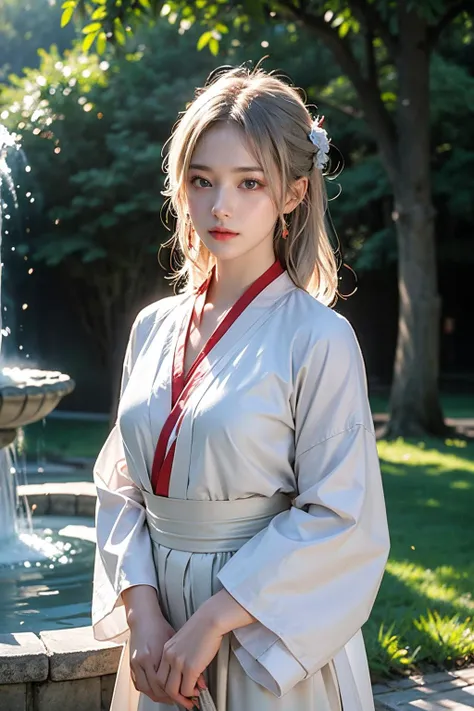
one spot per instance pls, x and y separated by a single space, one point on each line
222 208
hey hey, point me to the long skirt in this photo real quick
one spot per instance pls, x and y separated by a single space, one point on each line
186 579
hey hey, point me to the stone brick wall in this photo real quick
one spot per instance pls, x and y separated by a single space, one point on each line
62 670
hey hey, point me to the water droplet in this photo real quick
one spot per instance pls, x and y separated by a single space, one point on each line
24 307
27 564
28 169
30 271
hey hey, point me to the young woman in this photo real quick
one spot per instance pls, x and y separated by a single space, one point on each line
241 526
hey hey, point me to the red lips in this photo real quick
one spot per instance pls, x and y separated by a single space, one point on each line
222 233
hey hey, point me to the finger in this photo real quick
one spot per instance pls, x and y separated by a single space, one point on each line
162 674
173 689
157 688
189 685
141 684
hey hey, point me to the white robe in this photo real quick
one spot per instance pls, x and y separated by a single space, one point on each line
283 408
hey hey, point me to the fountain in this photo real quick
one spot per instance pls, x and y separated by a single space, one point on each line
26 396
45 560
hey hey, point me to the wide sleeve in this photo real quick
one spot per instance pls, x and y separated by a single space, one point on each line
311 577
123 554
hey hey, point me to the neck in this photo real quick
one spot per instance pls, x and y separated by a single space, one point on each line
232 278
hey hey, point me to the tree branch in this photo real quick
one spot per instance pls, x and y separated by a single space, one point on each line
375 22
368 92
457 8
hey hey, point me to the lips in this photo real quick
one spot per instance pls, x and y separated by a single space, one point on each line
222 234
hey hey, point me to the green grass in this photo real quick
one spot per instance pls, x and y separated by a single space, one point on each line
423 614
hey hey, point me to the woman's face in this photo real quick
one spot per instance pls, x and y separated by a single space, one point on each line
227 189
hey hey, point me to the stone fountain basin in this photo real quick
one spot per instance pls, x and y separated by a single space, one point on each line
28 395
63 668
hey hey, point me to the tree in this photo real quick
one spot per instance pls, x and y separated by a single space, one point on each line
368 40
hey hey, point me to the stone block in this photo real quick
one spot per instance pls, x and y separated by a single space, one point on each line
15 697
107 684
23 658
75 654
380 689
62 504
78 695
39 504
85 505
466 675
427 693
458 700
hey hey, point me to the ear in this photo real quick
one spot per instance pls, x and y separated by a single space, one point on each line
296 194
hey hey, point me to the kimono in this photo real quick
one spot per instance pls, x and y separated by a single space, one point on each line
272 490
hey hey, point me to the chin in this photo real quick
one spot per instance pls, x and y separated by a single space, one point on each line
226 250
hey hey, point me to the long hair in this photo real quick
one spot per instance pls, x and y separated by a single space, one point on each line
276 124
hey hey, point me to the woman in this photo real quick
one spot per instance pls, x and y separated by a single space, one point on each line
241 525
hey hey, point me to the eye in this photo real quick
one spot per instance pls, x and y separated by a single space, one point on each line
198 185
254 184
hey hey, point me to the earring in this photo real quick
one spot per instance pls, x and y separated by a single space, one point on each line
284 233
190 237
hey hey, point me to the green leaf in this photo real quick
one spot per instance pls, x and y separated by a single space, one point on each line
204 40
66 16
214 46
68 3
99 14
119 31
101 43
93 27
344 29
145 3
89 41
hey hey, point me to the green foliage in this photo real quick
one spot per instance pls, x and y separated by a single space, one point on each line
447 638
94 132
386 650
26 27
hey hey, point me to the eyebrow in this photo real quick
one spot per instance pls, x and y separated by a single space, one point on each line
242 169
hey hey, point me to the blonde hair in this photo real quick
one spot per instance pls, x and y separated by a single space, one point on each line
276 124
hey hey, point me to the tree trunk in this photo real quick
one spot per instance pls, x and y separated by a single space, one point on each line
414 404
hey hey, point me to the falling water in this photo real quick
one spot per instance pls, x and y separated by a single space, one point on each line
18 542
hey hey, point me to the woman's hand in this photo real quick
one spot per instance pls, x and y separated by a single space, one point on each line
187 655
194 646
148 637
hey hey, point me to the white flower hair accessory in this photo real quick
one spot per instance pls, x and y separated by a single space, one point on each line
319 137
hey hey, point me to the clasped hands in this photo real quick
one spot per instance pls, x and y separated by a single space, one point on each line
167 665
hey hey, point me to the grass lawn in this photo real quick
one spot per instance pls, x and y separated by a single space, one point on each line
423 614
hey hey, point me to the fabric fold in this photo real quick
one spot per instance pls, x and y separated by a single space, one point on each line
333 540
